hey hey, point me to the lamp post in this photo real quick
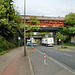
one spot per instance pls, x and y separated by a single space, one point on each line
19 40
24 29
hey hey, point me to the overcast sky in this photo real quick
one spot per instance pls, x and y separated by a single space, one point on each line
51 8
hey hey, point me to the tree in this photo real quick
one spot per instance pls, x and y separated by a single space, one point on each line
33 25
70 19
42 34
33 20
61 36
9 20
69 30
3 20
70 25
72 30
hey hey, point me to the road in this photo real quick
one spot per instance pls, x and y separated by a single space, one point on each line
64 56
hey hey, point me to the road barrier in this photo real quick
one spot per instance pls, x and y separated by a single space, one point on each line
44 58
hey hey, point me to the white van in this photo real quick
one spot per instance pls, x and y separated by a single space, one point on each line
48 41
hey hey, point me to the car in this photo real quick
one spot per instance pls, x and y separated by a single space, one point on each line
34 44
28 42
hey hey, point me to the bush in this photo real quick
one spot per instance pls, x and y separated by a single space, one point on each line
63 47
69 44
5 45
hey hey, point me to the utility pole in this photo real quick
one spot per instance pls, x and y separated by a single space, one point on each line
24 28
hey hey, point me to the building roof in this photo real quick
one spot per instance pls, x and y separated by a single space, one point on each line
44 17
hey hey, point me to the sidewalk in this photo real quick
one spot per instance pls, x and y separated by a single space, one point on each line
52 67
14 63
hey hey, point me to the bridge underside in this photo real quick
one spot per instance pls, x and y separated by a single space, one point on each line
46 30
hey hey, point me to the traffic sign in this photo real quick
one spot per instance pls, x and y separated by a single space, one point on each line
59 39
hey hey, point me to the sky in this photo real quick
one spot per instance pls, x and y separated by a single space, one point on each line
51 8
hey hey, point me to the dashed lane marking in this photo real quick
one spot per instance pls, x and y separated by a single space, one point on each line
67 54
57 62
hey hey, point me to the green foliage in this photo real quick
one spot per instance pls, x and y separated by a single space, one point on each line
5 45
69 29
70 19
42 33
33 27
63 47
61 36
72 30
10 21
28 33
3 52
33 24
18 20
69 44
33 21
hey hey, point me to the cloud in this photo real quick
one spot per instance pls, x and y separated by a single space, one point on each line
46 7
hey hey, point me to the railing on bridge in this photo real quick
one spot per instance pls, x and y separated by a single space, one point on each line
49 22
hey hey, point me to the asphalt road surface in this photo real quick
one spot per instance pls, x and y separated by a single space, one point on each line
64 56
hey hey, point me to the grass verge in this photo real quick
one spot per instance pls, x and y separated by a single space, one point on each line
63 47
30 48
3 52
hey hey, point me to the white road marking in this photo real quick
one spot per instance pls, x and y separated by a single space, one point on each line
57 62
67 54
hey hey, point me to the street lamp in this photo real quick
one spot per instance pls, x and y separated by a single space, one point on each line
19 40
24 29
35 33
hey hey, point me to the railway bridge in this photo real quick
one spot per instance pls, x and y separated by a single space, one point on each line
47 24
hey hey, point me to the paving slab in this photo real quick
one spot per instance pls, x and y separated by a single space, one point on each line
15 63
